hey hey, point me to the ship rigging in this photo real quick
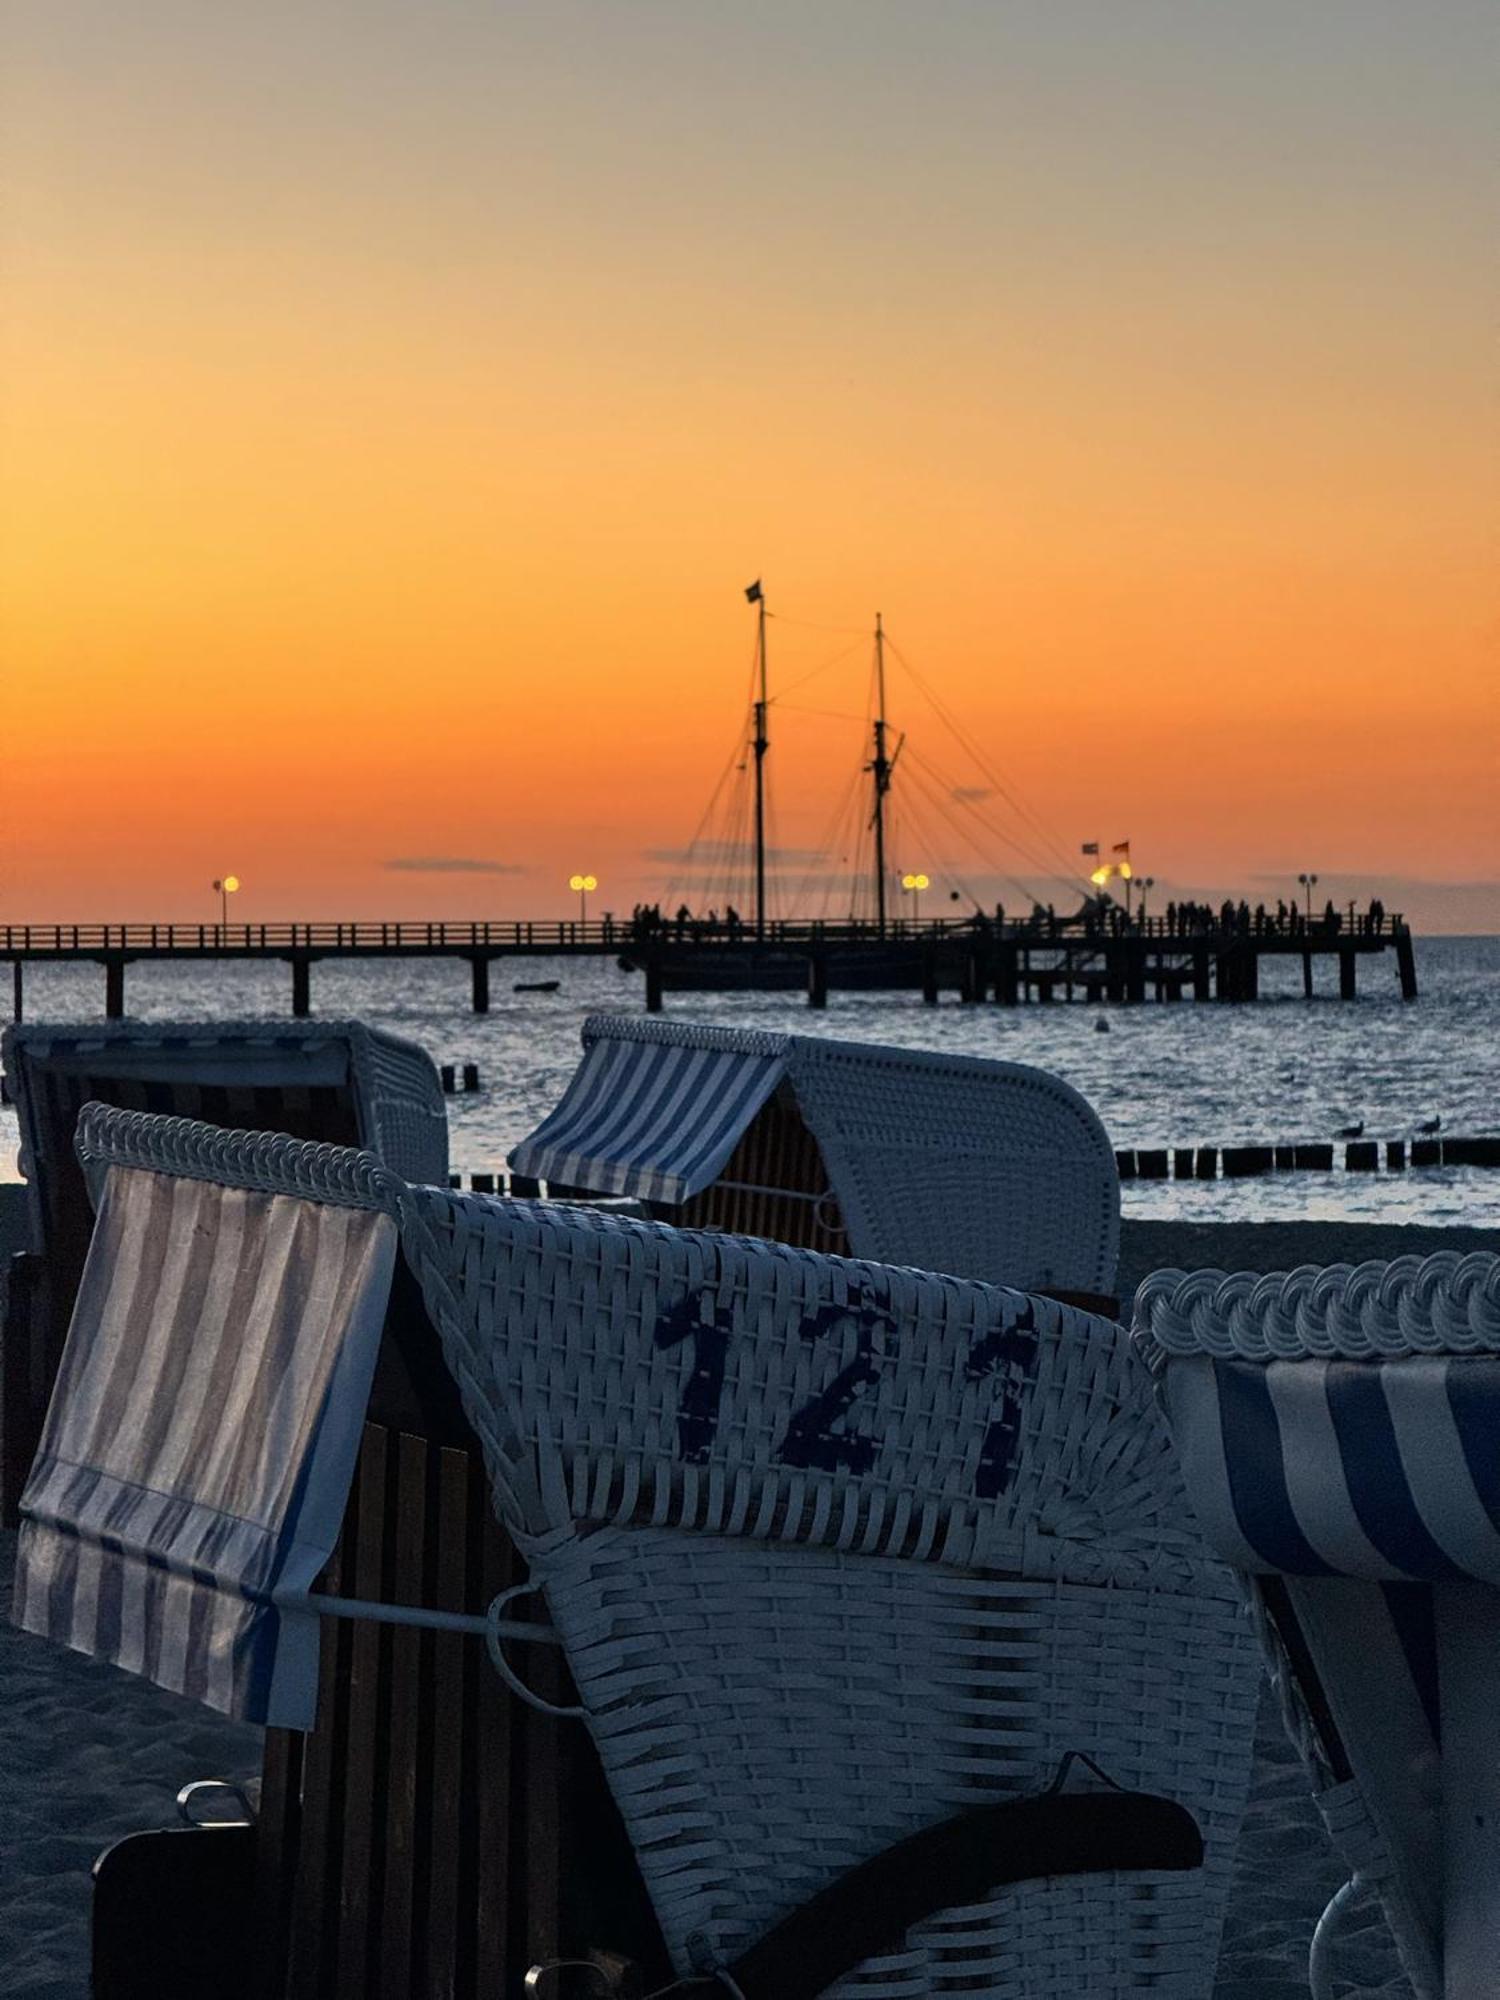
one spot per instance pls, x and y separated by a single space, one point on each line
971 830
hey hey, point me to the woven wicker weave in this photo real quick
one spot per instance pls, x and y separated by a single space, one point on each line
397 1100
996 1170
836 1550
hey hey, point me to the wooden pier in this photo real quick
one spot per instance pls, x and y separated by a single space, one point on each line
1010 964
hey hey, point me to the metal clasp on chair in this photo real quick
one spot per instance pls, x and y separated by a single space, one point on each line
612 1977
215 1802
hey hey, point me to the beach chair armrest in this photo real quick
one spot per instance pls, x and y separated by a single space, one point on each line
962 1860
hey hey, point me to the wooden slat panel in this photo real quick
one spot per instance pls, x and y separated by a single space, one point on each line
778 1151
540 1795
358 1861
410 1697
451 1757
499 1945
277 1834
313 1895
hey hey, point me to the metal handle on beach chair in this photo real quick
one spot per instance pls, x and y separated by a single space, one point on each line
869 1911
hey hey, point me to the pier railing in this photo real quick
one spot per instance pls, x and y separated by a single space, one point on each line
1042 957
526 935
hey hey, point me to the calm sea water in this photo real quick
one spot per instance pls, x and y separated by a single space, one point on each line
1191 1074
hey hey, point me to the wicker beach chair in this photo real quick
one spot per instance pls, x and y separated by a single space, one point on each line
1337 1431
989 1169
336 1081
837 1554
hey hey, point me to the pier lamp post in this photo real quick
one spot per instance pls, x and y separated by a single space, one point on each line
225 888
914 885
580 885
1309 883
1143 883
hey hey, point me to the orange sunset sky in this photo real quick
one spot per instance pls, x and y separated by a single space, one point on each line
397 398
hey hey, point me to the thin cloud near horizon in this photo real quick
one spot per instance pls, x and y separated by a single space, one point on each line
435 864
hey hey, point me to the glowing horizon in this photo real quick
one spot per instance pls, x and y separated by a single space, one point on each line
400 406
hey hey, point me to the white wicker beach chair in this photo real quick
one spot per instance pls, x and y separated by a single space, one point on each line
1337 1431
989 1169
836 1553
337 1081
245 1075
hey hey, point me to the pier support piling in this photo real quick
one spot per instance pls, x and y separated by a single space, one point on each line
930 977
1114 970
1406 964
301 987
481 970
817 980
973 981
17 1011
114 989
652 970
1135 971
1008 983
1307 985
1347 963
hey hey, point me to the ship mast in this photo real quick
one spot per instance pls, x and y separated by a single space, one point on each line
880 769
760 745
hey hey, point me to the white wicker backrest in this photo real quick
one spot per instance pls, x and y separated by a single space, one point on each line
624 1371
201 1437
1337 1430
836 1550
398 1099
992 1169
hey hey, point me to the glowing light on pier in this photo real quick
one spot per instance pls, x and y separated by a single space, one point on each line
581 885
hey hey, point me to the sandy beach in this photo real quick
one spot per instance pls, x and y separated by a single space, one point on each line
88 1754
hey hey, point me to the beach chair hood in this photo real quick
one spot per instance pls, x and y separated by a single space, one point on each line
989 1169
234 1073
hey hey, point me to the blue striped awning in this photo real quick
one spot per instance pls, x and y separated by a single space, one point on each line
202 1436
657 1117
1385 1470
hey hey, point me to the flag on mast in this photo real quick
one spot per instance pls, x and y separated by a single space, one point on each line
1091 847
1120 847
753 592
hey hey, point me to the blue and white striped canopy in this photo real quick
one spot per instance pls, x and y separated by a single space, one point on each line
202 1436
652 1117
1386 1470
1339 1436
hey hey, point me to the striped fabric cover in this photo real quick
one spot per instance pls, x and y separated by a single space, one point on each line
1384 1470
202 1435
1340 1428
653 1117
1339 1422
